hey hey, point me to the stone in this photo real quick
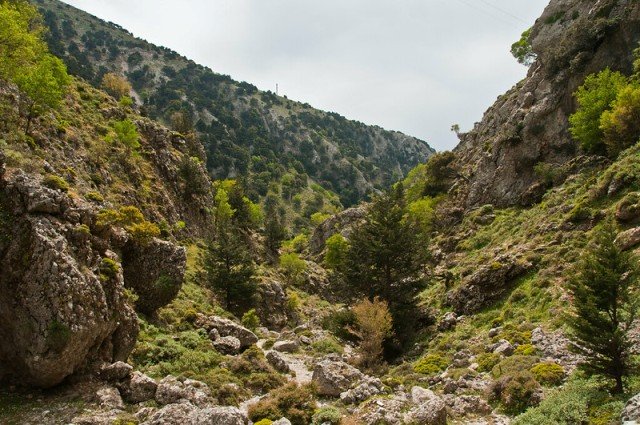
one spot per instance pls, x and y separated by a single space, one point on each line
226 327
287 346
335 377
465 405
278 362
631 411
447 322
383 410
98 418
214 334
430 409
155 271
503 347
282 421
628 239
116 371
109 398
555 346
222 416
174 414
368 388
271 305
143 414
171 390
139 388
227 345
494 331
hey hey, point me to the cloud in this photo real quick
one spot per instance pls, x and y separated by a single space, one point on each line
416 66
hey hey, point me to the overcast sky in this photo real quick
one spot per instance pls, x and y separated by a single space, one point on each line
417 66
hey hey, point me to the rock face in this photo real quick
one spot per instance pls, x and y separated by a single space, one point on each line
155 272
528 125
271 307
57 314
628 239
487 284
226 327
342 223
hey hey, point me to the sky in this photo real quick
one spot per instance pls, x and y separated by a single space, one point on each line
416 66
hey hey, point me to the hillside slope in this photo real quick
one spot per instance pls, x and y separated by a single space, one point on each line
245 131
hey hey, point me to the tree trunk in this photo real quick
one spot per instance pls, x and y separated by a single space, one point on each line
619 389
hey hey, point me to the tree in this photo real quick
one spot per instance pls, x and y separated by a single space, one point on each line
373 325
227 263
386 258
594 97
604 307
274 229
126 133
522 50
621 125
337 251
116 85
293 266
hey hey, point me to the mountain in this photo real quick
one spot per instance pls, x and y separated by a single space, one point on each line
245 131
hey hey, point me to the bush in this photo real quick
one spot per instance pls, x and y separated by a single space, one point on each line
55 182
327 415
143 233
486 361
516 392
126 133
293 266
339 322
337 250
512 365
327 346
373 326
251 320
525 350
115 85
431 364
621 125
108 269
548 373
293 402
594 97
94 196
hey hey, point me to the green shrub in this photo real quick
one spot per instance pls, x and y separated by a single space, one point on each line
594 97
486 361
516 392
293 266
250 319
329 414
522 51
327 346
512 365
55 182
621 125
548 373
126 133
525 350
339 322
337 250
108 269
94 196
431 364
294 402
143 233
264 422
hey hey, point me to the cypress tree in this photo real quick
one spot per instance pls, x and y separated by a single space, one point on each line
604 307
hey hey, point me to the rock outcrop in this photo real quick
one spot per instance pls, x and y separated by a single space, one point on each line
225 327
528 125
58 313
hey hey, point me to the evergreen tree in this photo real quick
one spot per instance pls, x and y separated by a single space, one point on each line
274 228
385 260
227 263
604 307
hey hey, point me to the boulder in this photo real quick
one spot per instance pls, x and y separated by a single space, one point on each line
465 405
155 271
448 321
287 346
628 239
139 388
188 414
332 378
281 421
503 347
430 409
226 327
116 371
271 305
631 411
368 388
227 345
58 314
278 362
381 410
171 390
222 416
109 398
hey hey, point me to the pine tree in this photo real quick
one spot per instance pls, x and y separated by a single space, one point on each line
385 260
274 228
227 263
604 307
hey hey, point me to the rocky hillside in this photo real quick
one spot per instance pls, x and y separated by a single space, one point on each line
245 131
528 126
